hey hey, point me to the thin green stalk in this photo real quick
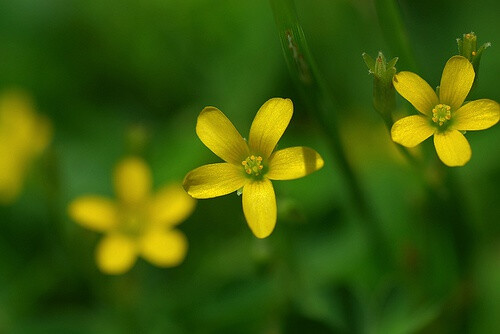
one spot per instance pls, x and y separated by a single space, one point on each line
320 104
313 91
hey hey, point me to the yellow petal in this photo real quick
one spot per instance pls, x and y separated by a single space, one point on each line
171 205
294 162
259 207
94 212
416 90
477 115
12 172
164 248
132 178
268 126
116 254
452 148
214 180
456 82
412 130
42 135
217 132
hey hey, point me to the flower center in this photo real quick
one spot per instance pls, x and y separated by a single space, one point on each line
441 114
133 220
253 165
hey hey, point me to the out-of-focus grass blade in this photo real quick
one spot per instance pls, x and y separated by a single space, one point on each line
320 104
393 28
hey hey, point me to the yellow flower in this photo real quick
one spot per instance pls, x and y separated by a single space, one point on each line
250 166
24 135
139 223
445 117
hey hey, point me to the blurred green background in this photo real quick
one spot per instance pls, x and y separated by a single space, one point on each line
103 71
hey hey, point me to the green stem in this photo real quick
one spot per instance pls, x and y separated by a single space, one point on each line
313 91
319 103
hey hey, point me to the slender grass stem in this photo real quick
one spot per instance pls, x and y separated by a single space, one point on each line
313 92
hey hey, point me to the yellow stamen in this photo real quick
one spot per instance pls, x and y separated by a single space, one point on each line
441 113
253 165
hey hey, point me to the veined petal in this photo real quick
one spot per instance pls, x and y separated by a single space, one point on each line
412 130
94 212
477 115
164 248
171 205
293 162
456 82
416 90
259 207
217 132
116 254
214 180
268 126
452 148
132 179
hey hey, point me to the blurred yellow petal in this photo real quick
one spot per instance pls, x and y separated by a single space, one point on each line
412 130
12 170
294 162
94 212
17 116
416 90
116 254
477 115
23 136
259 207
214 180
268 126
217 132
452 148
132 180
171 205
456 82
164 248
43 134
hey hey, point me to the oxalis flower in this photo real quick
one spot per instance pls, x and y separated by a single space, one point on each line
444 116
250 167
138 223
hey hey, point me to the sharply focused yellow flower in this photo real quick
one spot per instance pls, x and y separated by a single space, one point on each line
446 116
24 135
249 167
139 223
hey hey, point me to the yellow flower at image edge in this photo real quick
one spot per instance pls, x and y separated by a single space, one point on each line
446 116
138 223
249 167
24 135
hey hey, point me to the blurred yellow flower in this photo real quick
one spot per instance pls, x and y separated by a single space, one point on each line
446 116
139 223
249 167
23 137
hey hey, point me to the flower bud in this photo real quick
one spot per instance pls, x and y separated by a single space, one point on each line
467 47
384 98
